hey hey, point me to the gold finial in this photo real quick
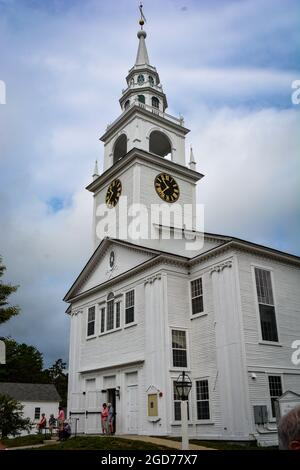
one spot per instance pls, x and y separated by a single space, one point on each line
142 19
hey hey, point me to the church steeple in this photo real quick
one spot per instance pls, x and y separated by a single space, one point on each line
142 54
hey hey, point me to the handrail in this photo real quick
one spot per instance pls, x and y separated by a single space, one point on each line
152 109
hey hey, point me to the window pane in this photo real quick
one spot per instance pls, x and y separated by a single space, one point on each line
275 387
179 358
196 287
110 315
202 390
37 413
130 299
118 315
91 314
264 286
197 305
129 315
203 410
178 339
91 328
102 320
268 323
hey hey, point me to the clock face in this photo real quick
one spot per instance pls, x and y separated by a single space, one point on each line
140 79
166 187
113 193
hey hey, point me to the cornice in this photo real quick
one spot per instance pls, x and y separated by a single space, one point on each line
142 156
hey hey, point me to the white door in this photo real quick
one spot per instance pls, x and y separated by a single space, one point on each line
132 409
92 410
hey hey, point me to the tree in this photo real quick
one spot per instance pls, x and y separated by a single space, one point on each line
6 310
59 378
23 364
11 417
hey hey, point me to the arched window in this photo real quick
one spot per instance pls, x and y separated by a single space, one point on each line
141 99
127 104
151 80
155 102
159 144
120 148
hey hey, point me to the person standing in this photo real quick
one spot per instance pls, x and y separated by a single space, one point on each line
60 421
52 423
111 418
42 423
104 419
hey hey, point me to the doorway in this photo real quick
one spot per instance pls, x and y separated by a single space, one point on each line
111 398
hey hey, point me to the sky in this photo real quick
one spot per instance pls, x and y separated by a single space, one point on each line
226 66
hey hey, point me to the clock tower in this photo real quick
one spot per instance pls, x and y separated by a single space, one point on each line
145 178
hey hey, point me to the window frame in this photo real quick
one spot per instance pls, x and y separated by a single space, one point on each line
271 374
179 368
133 322
205 420
117 299
257 303
199 314
35 413
93 335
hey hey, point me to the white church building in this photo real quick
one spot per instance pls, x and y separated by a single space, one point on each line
145 308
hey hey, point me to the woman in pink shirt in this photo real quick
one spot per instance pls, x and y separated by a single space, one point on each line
60 420
104 419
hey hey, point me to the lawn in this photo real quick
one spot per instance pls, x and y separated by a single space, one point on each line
223 445
31 439
102 443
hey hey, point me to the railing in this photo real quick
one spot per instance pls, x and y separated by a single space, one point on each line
151 109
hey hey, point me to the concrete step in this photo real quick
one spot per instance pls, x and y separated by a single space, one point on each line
50 442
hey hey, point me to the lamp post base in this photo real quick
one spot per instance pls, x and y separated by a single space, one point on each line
184 426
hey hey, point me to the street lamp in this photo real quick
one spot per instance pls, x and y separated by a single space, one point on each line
183 387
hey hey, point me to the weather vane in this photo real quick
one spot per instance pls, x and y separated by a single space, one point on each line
143 19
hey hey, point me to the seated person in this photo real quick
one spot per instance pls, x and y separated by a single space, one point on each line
66 433
42 423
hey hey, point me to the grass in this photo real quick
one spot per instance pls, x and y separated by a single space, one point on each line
223 445
102 443
31 439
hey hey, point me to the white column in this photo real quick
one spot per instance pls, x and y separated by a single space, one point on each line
184 426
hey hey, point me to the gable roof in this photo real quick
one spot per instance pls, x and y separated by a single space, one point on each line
30 392
225 243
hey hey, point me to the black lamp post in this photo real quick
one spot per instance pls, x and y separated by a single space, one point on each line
183 387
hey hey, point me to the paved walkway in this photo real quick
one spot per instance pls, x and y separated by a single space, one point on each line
160 441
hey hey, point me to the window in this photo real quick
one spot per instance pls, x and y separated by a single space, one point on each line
129 307
177 405
151 80
140 79
126 105
275 387
155 102
179 348
197 296
202 399
141 99
110 312
266 305
102 327
118 317
37 413
91 321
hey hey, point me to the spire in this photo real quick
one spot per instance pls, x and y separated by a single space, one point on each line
192 162
96 172
142 54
